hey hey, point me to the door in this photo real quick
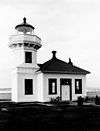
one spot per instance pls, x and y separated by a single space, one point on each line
65 92
65 85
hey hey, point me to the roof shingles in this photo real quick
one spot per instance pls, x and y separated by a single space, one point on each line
58 66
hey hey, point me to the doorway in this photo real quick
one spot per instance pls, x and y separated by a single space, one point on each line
65 89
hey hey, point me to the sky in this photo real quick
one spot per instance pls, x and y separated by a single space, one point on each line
71 27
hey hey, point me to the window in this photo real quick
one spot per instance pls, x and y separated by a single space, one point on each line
52 86
78 86
28 57
28 86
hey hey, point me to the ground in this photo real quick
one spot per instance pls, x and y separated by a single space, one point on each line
39 116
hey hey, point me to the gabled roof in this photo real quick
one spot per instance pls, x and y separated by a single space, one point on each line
58 66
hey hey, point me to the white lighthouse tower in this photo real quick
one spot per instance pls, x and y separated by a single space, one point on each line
24 46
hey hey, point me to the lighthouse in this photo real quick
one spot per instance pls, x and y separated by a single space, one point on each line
24 45
36 82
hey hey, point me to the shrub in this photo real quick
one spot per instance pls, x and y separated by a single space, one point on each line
86 99
55 100
97 100
80 101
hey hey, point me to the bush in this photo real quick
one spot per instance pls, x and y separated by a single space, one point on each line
97 100
80 101
55 100
86 99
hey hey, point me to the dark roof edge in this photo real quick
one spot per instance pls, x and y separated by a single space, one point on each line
25 25
87 72
64 72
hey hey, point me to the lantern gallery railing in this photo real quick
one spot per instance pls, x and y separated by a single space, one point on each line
25 38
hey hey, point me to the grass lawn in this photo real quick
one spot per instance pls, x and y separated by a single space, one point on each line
39 116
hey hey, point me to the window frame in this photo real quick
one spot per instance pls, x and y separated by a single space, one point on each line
26 87
28 57
50 87
78 84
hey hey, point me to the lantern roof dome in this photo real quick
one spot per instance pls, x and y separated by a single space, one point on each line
24 27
